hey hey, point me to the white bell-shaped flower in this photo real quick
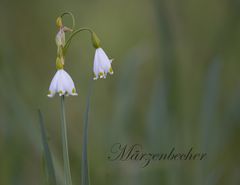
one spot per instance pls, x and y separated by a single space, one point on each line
102 64
62 84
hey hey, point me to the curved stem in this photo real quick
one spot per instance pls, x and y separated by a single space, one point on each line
72 35
67 172
72 16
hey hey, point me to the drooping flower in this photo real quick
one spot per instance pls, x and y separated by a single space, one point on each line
102 64
62 82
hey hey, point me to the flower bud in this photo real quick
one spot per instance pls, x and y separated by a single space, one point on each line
59 22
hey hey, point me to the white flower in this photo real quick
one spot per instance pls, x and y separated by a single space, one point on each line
60 38
102 64
62 84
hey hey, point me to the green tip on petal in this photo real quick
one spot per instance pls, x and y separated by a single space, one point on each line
111 70
50 95
94 77
101 74
73 90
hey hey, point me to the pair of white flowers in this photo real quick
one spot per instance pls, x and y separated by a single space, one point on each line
62 82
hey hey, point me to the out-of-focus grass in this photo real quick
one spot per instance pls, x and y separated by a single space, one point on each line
48 160
176 84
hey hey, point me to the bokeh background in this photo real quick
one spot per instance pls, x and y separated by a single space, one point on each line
176 84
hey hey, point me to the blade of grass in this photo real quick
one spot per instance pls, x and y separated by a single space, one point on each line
85 173
210 102
209 130
47 153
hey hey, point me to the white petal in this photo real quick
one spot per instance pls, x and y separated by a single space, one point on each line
53 85
96 64
50 95
60 85
102 54
97 68
68 85
105 62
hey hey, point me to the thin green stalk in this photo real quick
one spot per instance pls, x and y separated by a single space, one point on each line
85 173
72 35
67 172
72 16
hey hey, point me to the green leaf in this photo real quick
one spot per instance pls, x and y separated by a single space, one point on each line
48 157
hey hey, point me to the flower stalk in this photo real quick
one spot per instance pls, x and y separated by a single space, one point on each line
95 39
85 170
63 85
67 172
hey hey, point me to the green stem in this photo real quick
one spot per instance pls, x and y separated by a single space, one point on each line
85 172
67 173
72 16
72 35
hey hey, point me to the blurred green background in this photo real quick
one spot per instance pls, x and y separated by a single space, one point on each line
176 84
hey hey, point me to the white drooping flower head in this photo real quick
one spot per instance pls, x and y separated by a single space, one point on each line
62 82
102 64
